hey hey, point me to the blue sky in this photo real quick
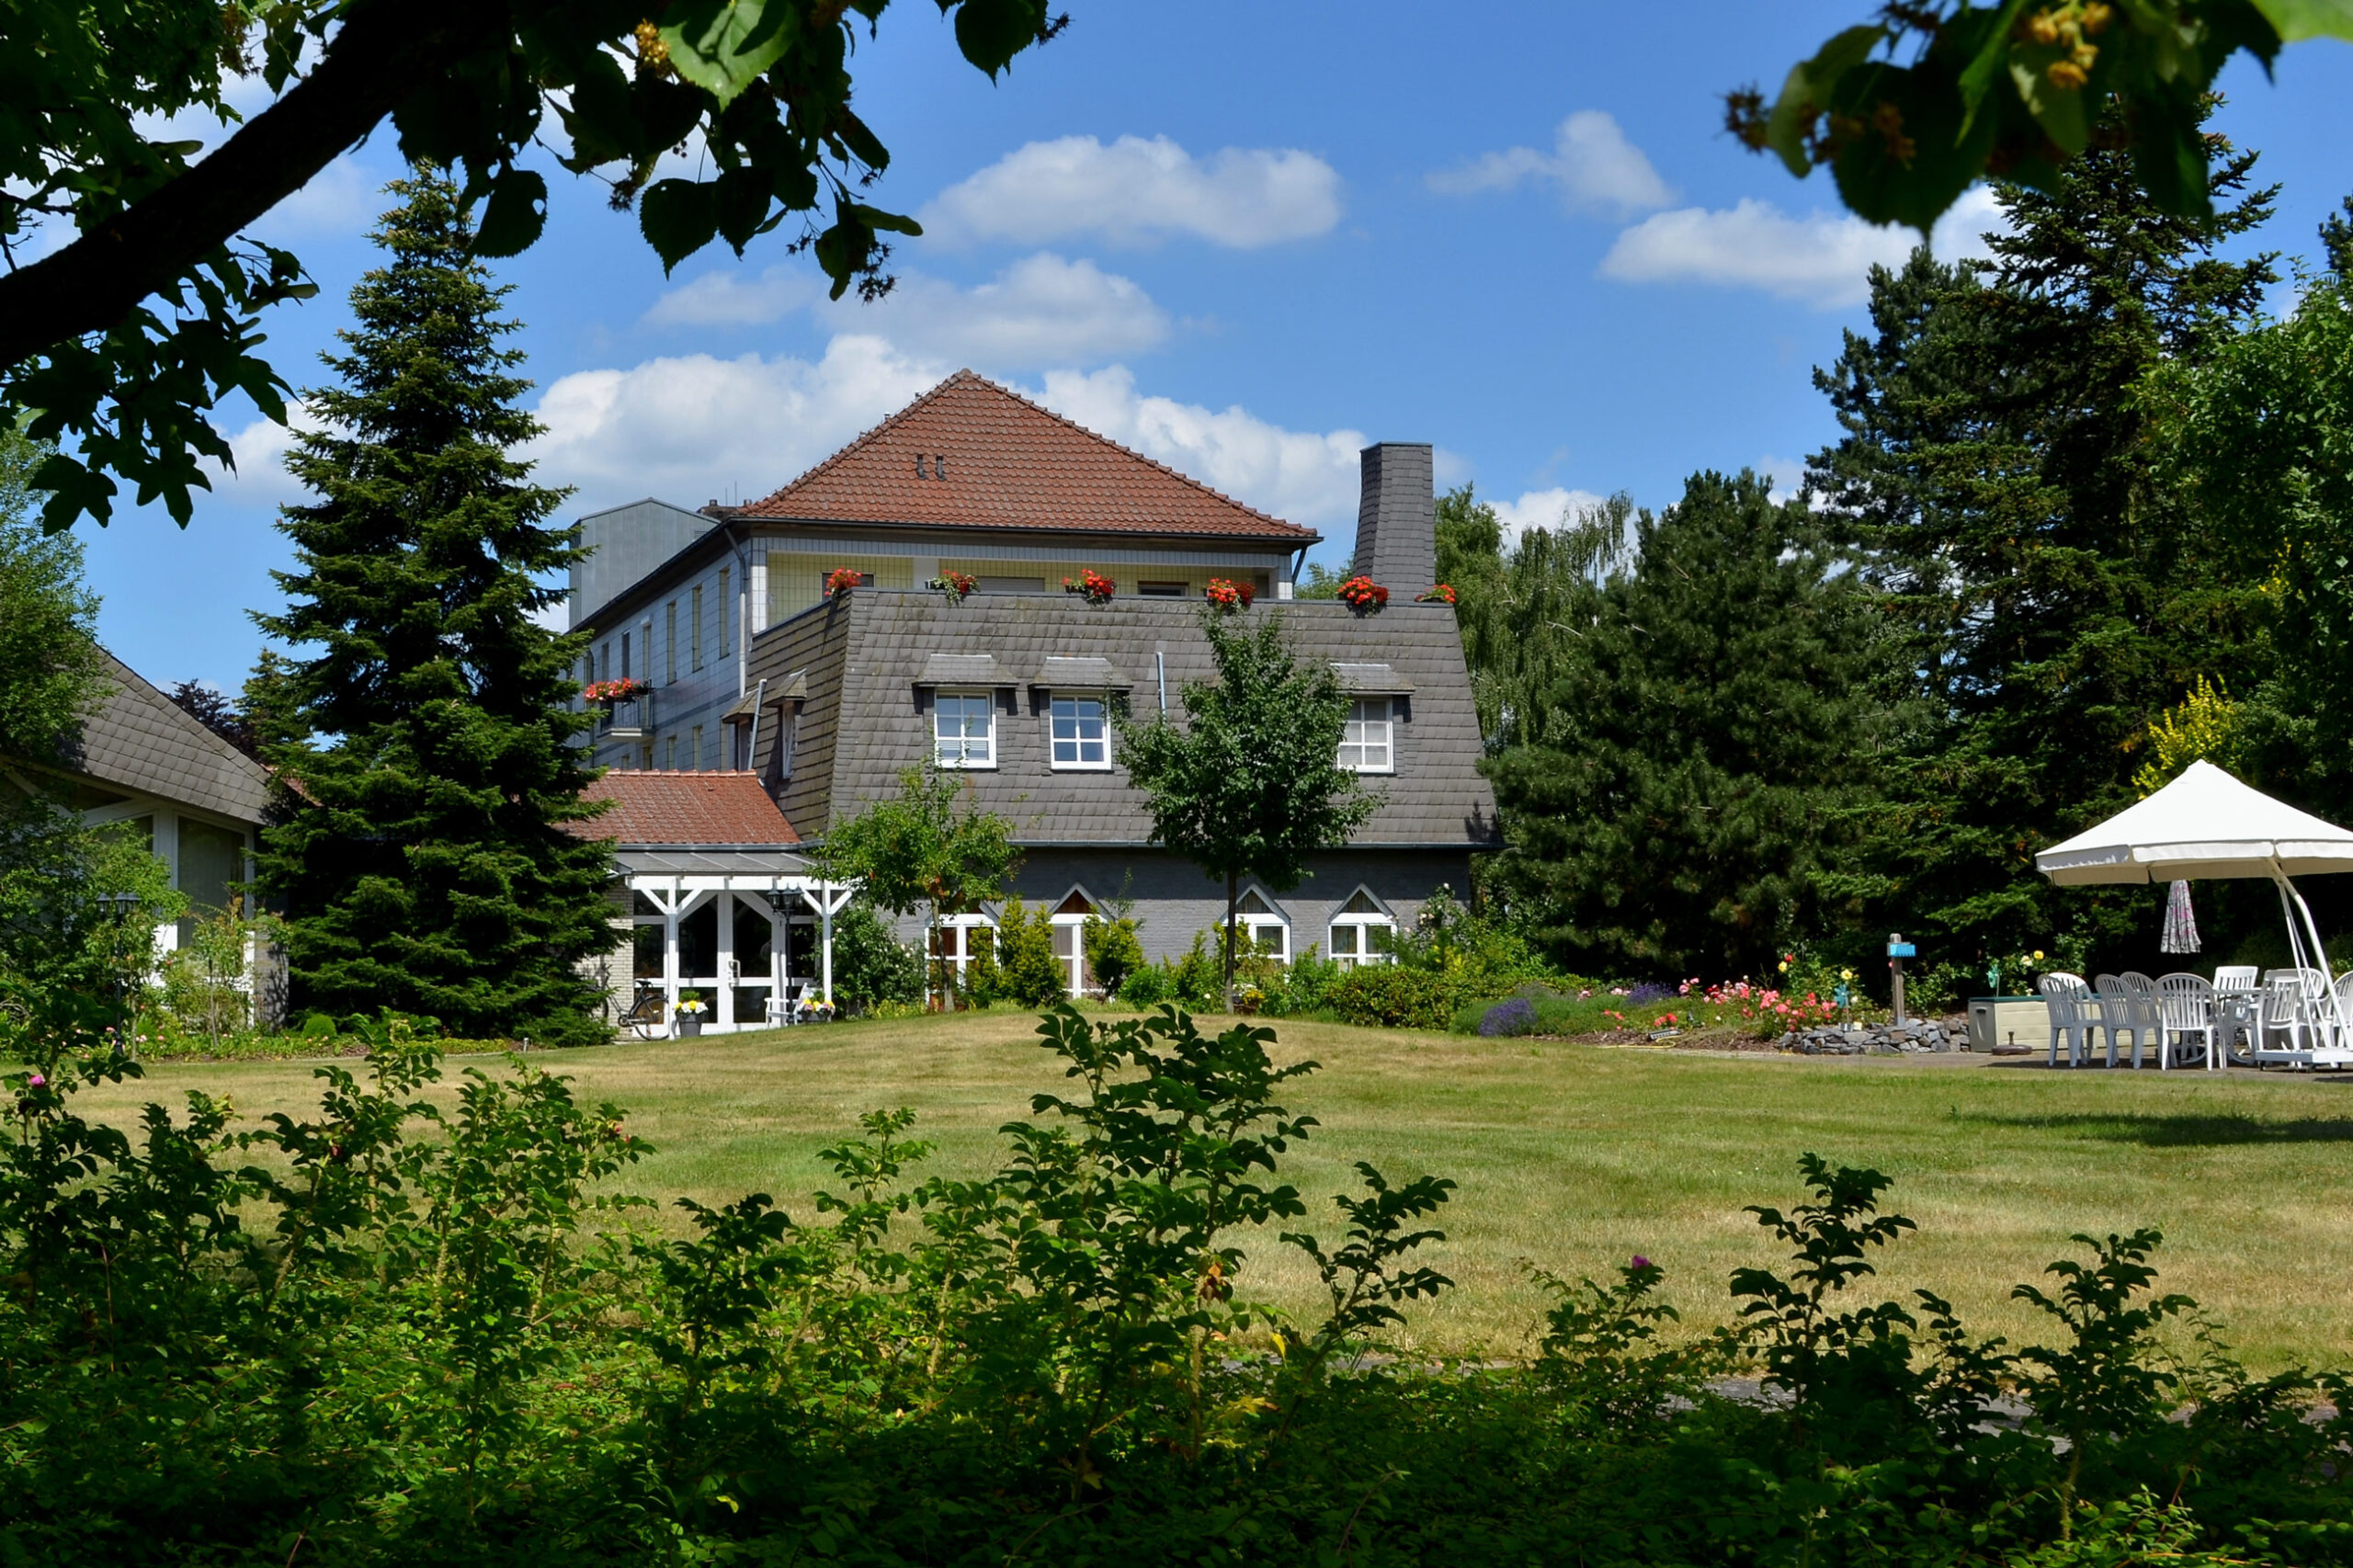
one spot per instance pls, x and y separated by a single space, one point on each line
1242 238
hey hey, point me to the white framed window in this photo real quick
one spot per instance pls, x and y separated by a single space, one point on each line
1363 932
1265 930
963 729
957 941
1081 735
694 631
1368 743
1069 920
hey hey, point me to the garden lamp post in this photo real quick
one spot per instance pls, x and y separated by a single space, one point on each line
119 910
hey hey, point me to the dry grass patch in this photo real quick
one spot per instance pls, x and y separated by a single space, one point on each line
1574 1157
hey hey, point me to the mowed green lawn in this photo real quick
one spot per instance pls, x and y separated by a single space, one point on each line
1574 1158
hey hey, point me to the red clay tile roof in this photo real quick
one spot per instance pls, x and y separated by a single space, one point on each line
1011 464
663 808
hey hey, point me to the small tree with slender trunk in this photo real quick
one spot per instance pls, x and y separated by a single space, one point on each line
918 850
1252 784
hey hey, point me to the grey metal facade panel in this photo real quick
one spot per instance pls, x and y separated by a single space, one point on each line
1080 675
962 669
867 719
138 739
626 545
1372 680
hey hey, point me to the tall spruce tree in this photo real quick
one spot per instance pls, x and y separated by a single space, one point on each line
1998 468
1700 745
430 860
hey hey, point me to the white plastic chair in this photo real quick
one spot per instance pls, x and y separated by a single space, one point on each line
2186 1015
2119 1014
2282 1026
2234 977
2067 999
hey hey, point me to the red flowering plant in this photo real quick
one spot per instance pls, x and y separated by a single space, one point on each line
1363 594
1093 587
1439 594
1229 595
842 579
612 691
957 585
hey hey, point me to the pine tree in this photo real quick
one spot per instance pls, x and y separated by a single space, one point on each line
1704 742
429 861
1998 468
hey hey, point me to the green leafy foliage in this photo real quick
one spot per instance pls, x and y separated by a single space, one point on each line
1113 950
871 964
416 1327
919 849
124 338
1913 109
2049 594
1026 970
1681 771
428 855
1250 785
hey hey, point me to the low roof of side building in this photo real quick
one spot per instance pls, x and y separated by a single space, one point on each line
662 808
139 742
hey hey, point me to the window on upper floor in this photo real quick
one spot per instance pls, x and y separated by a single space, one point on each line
723 611
670 640
963 729
1368 744
694 629
624 655
1164 590
1081 738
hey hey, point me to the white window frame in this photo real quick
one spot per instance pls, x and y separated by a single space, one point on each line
1074 962
1251 924
1055 742
1358 736
963 757
955 932
1360 925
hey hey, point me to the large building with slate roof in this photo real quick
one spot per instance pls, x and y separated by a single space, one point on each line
751 665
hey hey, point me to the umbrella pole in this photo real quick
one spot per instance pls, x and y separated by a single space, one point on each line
2329 1014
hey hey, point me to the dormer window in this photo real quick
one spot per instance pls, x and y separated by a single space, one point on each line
1367 743
1363 932
1080 742
963 729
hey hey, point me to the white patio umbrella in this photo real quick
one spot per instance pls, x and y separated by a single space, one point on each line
2208 825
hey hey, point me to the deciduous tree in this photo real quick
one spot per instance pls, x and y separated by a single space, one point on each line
1251 784
921 849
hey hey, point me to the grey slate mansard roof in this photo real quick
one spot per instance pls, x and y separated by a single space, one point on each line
866 657
138 739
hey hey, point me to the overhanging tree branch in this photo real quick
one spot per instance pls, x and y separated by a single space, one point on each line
386 50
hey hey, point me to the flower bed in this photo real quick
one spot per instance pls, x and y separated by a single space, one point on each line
1363 594
957 585
1439 594
611 691
1092 587
842 579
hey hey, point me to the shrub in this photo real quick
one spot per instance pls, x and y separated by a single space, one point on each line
1514 1014
1304 986
870 965
1393 997
1148 986
1113 951
1029 971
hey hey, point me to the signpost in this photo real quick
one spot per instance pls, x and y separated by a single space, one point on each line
1898 950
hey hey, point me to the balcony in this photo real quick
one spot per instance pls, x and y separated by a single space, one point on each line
628 719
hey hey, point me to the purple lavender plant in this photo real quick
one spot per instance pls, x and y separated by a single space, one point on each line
1514 1014
1647 992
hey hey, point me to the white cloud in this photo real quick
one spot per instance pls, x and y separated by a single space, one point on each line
1784 475
1823 259
690 428
1041 310
341 201
1135 191
1592 165
1553 508
260 478
1303 476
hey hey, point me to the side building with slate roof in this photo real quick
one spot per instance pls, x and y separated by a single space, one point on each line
199 802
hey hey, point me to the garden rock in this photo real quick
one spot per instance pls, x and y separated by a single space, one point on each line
1915 1036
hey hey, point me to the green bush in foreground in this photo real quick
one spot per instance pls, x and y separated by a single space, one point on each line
400 1334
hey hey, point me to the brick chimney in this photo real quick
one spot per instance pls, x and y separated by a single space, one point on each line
1397 518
